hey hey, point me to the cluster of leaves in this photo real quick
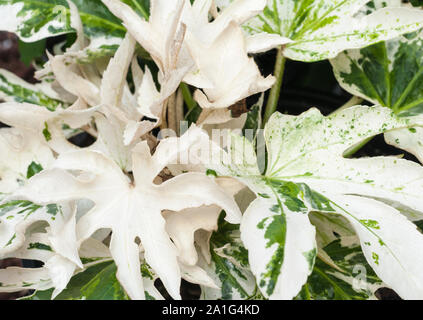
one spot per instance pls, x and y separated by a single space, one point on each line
296 219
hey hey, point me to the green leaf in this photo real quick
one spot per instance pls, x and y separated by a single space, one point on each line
416 3
103 286
33 169
142 7
98 282
88 285
320 29
31 51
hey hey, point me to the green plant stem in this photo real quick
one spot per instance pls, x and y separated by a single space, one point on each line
354 101
186 93
352 151
272 102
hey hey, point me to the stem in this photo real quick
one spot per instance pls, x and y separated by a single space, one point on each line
189 101
273 100
164 124
171 113
354 101
349 153
179 110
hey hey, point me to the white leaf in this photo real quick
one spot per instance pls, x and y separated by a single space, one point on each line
131 210
239 76
182 225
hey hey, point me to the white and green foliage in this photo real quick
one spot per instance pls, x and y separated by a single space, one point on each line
306 171
296 221
36 20
228 265
389 74
320 29
346 276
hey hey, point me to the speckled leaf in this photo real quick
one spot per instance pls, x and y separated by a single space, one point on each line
346 276
388 73
320 29
275 228
307 172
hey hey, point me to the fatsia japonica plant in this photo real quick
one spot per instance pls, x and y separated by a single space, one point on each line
184 178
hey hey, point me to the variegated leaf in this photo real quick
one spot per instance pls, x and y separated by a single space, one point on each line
228 266
13 88
26 156
320 29
388 74
307 172
55 272
33 21
343 275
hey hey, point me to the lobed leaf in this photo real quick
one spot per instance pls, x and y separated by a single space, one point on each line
320 29
307 172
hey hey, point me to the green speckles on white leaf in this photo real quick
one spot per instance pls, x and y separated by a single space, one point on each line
320 29
388 73
390 248
306 171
